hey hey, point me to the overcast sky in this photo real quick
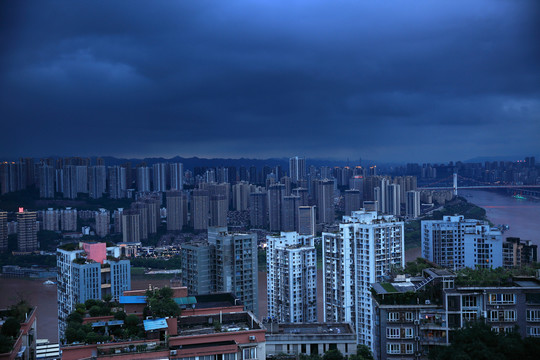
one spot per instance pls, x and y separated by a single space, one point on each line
402 80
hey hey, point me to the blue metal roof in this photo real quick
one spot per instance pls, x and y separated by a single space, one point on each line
99 324
115 322
155 324
132 299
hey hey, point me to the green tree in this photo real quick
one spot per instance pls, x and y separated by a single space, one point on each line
6 343
95 311
333 354
362 353
11 327
120 315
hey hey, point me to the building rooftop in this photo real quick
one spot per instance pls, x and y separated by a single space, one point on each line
309 329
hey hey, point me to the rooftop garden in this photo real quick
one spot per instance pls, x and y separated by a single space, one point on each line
160 303
12 325
128 326
493 277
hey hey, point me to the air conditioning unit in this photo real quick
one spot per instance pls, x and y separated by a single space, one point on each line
416 322
428 302
417 338
252 338
173 352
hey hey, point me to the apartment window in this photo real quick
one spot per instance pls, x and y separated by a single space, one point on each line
469 301
250 353
392 348
392 333
409 316
533 315
409 333
409 348
469 315
502 299
229 356
533 331
393 316
509 315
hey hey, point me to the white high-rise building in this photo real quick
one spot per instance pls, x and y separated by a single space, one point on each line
143 179
365 248
412 205
159 177
176 173
103 221
51 219
297 168
455 242
68 219
291 262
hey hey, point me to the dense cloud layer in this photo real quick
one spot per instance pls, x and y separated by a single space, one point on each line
418 80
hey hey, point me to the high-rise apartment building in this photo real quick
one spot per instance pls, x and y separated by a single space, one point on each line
142 209
364 250
258 209
176 210
117 182
227 262
46 181
143 179
353 201
325 202
307 220
3 231
84 274
176 175
218 210
291 262
393 199
412 205
200 209
68 219
103 220
97 181
27 230
51 219
159 177
297 168
289 213
276 193
240 192
131 226
236 265
455 242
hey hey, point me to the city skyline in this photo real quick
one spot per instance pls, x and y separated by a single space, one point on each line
413 81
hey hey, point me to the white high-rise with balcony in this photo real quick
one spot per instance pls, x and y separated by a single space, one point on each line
291 261
365 248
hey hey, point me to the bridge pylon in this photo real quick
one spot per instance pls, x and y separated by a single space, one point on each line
455 184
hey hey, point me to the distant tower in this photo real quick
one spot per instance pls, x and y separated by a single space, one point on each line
27 230
306 220
3 231
258 208
176 173
455 184
297 168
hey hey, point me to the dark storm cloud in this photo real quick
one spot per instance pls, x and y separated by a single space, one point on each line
407 80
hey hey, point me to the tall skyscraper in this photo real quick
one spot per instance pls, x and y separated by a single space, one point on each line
103 220
325 201
218 210
175 210
142 209
3 231
200 209
97 181
68 219
160 177
176 172
197 263
297 168
291 262
353 201
236 265
364 250
307 220
117 182
289 213
51 219
46 181
131 226
303 193
241 191
69 182
81 172
412 205
143 179
276 193
85 274
258 209
455 242
393 199
27 230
